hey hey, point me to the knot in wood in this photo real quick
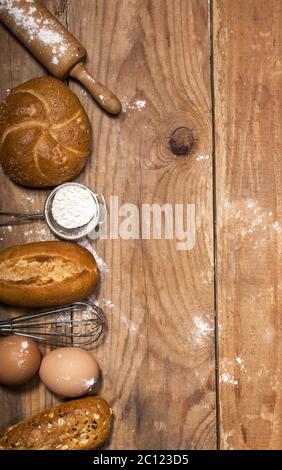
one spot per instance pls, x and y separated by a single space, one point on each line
182 141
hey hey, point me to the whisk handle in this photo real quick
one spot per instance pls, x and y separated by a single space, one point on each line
14 217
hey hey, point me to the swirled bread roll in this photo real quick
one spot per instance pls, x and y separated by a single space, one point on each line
45 134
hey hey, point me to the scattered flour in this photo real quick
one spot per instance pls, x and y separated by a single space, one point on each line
49 37
130 325
240 362
202 157
135 105
228 379
103 268
37 27
203 329
252 223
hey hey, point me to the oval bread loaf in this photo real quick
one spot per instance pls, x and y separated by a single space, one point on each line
45 134
75 425
46 274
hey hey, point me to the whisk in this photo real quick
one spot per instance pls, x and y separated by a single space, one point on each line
77 324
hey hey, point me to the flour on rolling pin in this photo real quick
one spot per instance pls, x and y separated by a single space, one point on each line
49 42
54 46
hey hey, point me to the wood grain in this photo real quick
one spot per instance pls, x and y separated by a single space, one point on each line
248 70
158 358
158 355
18 66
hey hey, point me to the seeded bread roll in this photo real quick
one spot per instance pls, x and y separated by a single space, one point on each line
46 274
45 134
75 425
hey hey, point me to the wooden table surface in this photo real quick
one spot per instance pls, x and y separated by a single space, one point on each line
192 356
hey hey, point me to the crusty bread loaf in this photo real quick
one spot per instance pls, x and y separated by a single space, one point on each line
75 425
45 134
46 274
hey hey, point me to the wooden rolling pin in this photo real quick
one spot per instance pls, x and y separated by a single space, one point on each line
54 46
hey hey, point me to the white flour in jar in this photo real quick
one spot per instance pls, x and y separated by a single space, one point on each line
73 207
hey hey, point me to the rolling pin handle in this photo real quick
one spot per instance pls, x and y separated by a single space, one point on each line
106 99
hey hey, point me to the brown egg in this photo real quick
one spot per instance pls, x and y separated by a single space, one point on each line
19 360
69 372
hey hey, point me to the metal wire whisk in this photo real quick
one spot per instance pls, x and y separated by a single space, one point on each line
78 324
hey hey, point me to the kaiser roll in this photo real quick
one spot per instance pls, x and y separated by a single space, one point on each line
45 134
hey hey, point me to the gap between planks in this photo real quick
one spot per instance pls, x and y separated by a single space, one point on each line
216 332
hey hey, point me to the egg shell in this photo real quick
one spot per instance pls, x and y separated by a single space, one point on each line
69 372
19 360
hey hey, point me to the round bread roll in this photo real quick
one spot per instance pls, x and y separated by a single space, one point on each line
45 134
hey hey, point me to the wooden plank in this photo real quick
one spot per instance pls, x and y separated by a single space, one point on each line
17 66
248 112
158 356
